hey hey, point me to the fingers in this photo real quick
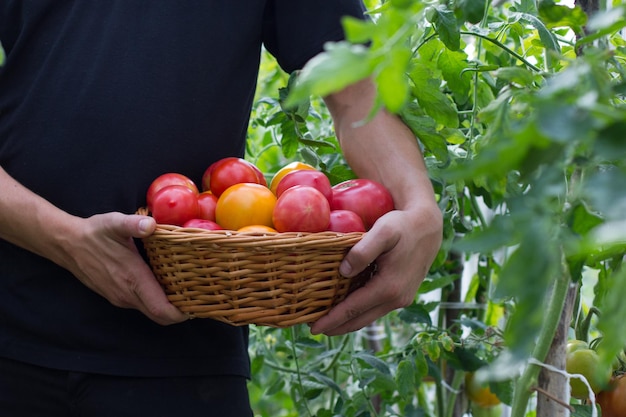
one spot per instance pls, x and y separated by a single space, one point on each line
370 302
403 257
110 265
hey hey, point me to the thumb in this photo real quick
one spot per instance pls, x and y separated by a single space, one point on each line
140 226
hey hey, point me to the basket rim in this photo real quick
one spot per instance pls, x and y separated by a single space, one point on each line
265 239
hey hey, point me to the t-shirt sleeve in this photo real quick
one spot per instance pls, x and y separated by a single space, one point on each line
296 30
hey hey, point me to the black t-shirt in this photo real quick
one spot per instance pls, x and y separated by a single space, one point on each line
97 98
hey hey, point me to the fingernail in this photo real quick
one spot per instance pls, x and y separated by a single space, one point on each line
144 225
345 269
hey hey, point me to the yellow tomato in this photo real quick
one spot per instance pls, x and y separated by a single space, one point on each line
245 204
293 166
259 228
479 394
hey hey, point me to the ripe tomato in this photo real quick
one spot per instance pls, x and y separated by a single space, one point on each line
293 166
479 394
345 221
202 224
369 199
230 171
313 178
258 228
170 178
612 400
587 363
206 205
301 209
175 204
245 204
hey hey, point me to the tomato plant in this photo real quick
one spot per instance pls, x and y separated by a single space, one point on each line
230 171
170 178
612 400
301 209
369 199
245 204
345 221
174 204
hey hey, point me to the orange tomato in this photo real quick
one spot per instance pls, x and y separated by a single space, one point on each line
612 400
479 394
293 166
245 204
258 228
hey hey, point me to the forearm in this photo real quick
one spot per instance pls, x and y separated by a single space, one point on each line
29 221
383 149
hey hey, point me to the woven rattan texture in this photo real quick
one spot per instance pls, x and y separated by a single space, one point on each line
276 280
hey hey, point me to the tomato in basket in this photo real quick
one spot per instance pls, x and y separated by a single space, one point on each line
174 205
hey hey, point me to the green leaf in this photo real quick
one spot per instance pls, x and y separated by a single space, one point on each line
425 129
277 386
555 15
452 65
472 10
581 220
431 99
340 65
358 30
421 364
434 283
582 410
393 86
518 75
611 323
329 382
465 359
415 313
374 362
405 379
534 261
548 39
446 25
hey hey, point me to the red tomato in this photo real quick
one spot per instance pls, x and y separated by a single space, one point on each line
170 178
369 199
245 204
174 204
301 209
206 205
612 401
345 221
293 166
230 171
202 224
312 178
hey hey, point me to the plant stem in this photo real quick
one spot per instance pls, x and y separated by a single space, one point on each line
553 314
299 374
456 384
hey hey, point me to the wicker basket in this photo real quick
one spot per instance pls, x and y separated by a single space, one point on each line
276 280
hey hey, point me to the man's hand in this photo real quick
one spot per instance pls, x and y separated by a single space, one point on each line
403 251
99 250
106 260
